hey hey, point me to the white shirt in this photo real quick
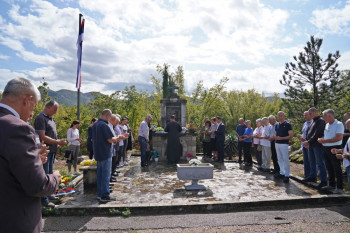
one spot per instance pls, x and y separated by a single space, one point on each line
10 109
266 132
346 162
257 130
72 135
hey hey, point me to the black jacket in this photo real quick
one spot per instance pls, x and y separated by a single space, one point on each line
315 131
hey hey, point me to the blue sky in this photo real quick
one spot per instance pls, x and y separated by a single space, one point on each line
247 41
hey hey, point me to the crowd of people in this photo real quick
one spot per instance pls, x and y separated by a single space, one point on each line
323 140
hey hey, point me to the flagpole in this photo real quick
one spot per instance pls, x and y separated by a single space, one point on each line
78 94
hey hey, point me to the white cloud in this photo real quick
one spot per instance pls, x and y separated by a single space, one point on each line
332 20
344 61
4 57
261 79
125 40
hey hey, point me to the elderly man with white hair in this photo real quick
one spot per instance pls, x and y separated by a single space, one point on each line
265 141
333 136
144 139
23 179
344 154
283 134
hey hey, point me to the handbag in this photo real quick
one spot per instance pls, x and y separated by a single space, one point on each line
68 154
259 148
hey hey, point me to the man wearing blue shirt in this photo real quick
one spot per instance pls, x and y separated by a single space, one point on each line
102 139
240 129
333 135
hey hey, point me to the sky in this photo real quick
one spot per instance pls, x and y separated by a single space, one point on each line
247 41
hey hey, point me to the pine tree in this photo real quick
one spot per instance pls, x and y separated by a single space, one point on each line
311 79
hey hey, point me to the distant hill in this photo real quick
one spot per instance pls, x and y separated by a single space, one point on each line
69 98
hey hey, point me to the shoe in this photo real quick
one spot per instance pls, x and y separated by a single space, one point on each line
48 204
115 175
70 174
321 185
273 172
126 163
286 179
144 164
338 191
310 179
77 173
121 164
327 188
98 198
107 199
260 168
278 175
266 169
113 179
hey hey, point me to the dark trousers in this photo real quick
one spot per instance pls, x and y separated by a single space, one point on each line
206 149
143 145
114 162
333 167
120 154
240 149
276 167
247 154
258 155
220 147
91 154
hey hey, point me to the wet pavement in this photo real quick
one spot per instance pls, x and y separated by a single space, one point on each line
158 185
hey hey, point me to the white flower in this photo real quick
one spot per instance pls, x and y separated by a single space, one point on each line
194 162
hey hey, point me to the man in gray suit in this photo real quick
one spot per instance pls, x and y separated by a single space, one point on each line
21 169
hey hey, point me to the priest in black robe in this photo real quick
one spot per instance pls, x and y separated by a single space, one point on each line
173 147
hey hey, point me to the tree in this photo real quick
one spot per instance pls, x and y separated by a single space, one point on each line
310 79
166 78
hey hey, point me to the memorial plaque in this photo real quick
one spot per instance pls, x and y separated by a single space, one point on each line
173 109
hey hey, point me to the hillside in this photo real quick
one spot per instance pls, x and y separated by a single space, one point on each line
69 98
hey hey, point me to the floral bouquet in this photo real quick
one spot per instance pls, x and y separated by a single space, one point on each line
65 187
191 128
189 156
159 129
194 162
88 162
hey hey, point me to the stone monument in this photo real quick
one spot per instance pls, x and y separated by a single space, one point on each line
172 104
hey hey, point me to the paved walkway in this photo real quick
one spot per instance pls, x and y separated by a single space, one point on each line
329 219
158 185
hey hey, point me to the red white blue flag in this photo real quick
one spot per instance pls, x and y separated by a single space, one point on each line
80 49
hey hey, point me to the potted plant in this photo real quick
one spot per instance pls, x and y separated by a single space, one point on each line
155 156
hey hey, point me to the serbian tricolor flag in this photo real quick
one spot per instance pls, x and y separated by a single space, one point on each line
80 48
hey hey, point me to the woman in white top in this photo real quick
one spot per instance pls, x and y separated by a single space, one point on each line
256 142
74 146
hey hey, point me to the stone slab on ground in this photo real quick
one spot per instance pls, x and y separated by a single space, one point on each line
233 187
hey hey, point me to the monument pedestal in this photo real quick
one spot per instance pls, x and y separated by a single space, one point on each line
187 141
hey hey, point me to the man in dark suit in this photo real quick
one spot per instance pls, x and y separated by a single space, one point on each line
23 179
220 139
